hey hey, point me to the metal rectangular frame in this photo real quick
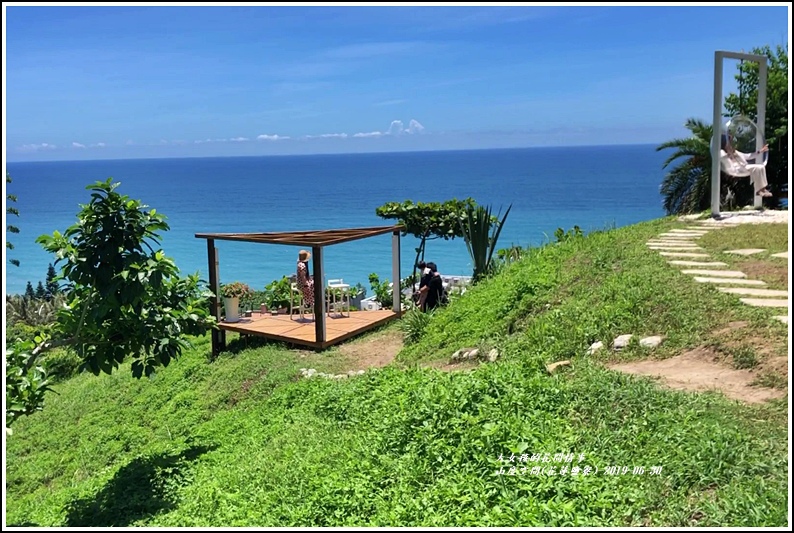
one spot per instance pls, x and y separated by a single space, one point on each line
719 58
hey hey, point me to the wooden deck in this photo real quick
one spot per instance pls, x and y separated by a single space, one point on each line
301 331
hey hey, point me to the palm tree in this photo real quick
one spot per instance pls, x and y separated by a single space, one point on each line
687 187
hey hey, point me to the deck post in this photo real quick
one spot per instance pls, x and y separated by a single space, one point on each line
212 260
319 295
395 274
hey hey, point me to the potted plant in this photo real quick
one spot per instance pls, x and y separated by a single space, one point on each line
232 292
277 294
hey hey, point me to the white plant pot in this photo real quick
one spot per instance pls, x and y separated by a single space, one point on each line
232 306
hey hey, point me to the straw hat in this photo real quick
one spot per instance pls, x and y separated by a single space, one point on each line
303 255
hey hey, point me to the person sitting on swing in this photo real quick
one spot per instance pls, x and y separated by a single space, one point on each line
736 164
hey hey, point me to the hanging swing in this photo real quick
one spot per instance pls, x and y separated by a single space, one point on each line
741 133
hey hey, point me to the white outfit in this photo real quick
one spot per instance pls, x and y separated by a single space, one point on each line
738 166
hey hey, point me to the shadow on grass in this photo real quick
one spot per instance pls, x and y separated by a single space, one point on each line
145 487
246 342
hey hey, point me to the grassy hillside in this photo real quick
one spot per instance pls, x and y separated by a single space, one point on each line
245 442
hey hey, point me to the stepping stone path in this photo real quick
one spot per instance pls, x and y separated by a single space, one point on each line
753 292
765 302
682 254
699 263
729 280
679 243
746 251
717 273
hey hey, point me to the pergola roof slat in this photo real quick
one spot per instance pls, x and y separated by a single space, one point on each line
304 238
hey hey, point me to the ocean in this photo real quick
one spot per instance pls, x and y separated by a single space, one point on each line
595 187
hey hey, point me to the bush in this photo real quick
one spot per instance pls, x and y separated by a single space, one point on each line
414 323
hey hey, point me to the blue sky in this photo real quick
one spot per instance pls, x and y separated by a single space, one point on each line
122 81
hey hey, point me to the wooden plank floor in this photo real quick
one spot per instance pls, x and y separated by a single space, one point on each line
301 331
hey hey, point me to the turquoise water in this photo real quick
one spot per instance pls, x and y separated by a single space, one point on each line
593 187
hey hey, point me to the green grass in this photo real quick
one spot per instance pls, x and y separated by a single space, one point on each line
243 442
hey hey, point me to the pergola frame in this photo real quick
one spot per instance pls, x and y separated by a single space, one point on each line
317 240
719 58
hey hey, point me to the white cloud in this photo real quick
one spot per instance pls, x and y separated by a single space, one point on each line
327 136
101 145
389 102
77 145
265 137
415 127
37 147
396 128
239 139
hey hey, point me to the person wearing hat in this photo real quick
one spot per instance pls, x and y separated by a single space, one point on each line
305 281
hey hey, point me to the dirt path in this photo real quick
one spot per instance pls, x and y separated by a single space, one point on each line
698 370
374 351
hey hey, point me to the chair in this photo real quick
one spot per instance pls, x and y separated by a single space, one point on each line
296 301
338 286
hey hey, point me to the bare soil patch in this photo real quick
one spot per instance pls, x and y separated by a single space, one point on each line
375 351
697 370
775 275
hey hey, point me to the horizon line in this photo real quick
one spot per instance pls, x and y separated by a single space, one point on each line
336 153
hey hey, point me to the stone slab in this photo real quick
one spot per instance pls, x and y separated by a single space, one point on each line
681 235
651 342
783 255
621 341
729 280
671 247
745 251
670 243
688 231
744 291
782 318
682 254
699 263
765 302
716 273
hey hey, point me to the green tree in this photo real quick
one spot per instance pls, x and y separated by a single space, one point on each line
52 282
10 228
29 292
427 221
777 108
125 299
41 293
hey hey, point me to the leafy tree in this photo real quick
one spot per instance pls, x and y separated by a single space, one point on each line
11 210
29 292
427 221
777 108
481 231
52 282
125 298
41 294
